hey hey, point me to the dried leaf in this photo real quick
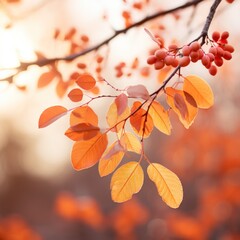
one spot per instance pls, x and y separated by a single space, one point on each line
50 115
126 181
200 90
160 118
181 105
168 184
85 154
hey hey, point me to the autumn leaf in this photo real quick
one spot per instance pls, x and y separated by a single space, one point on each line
186 111
131 143
83 114
138 91
200 90
181 105
126 181
162 74
114 120
75 95
85 154
50 115
141 123
86 81
82 131
160 118
46 78
111 159
121 103
168 184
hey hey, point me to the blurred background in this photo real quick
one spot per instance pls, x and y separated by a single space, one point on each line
43 197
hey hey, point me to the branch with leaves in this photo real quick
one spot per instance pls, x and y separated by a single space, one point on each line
136 109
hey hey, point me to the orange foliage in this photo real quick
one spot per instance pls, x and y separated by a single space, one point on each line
15 228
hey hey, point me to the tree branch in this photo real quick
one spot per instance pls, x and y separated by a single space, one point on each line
24 65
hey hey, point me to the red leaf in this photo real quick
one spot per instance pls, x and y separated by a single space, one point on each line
50 115
138 91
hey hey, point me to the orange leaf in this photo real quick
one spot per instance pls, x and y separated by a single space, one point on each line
45 79
111 159
174 98
126 181
83 114
82 131
160 118
61 88
50 115
86 81
168 184
113 118
131 143
75 95
200 90
141 123
85 154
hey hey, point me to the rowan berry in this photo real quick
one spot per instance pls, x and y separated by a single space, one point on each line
212 70
186 50
195 46
215 36
151 59
184 61
159 65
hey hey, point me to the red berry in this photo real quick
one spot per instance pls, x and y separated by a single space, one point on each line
228 48
195 46
218 61
151 59
160 54
186 50
225 35
184 61
159 65
227 55
175 62
172 48
213 70
169 60
205 60
213 50
215 36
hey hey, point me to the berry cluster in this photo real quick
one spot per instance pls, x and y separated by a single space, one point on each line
174 56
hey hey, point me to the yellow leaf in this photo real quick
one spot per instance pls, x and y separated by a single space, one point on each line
200 90
186 116
112 157
168 184
113 118
87 153
160 118
131 143
126 181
